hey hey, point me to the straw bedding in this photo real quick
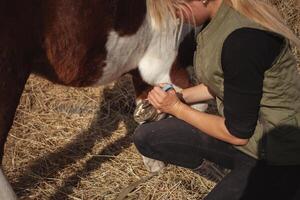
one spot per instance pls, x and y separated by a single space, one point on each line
69 143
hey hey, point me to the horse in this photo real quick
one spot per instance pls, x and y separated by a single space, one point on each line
82 43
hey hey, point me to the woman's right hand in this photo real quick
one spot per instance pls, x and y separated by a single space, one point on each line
166 102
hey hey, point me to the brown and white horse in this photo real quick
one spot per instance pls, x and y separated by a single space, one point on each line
80 43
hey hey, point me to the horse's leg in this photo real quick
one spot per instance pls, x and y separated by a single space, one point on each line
13 76
177 76
140 86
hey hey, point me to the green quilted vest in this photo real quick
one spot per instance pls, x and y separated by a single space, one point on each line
277 134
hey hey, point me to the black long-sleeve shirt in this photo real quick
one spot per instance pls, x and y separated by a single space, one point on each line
247 53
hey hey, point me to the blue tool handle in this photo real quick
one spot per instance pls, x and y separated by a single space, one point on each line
168 87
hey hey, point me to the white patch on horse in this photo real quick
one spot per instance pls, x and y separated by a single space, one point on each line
156 64
152 51
124 53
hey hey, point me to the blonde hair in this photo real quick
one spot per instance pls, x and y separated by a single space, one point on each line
259 11
160 10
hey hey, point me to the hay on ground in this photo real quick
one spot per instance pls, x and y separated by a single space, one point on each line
71 143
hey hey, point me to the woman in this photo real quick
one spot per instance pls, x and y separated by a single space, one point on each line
244 61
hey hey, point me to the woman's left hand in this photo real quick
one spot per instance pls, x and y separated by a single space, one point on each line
166 102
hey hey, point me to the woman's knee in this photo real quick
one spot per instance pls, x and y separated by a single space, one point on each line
141 139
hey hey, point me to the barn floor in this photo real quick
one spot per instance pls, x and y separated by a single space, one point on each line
76 144
71 143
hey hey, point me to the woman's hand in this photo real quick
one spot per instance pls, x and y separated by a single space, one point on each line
166 102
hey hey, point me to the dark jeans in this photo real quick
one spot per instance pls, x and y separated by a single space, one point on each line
176 142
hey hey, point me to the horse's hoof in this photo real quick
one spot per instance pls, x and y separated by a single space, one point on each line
145 112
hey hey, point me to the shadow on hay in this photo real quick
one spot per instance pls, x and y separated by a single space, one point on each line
113 110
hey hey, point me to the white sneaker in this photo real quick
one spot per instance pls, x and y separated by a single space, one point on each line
153 165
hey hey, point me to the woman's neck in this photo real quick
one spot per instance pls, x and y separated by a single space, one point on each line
213 7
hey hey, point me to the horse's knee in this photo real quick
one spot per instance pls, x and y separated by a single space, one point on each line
140 86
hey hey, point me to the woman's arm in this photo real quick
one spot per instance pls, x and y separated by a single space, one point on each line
212 125
196 94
